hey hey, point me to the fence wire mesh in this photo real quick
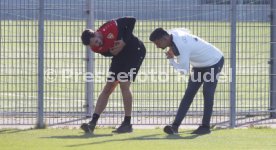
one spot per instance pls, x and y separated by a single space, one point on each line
18 60
156 97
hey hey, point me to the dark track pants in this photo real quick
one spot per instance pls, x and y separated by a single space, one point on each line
196 79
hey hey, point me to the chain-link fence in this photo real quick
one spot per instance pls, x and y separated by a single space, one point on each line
45 69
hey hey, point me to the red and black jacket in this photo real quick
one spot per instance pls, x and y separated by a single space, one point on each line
113 30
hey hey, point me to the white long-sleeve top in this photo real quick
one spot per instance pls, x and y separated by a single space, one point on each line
193 50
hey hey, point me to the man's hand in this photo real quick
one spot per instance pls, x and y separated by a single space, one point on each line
169 54
118 46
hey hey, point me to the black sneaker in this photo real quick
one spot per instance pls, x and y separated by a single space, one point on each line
171 129
88 128
202 130
123 128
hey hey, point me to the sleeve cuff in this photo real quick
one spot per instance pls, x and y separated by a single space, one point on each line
177 67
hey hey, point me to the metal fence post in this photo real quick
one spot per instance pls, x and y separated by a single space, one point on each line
273 62
89 62
40 114
233 64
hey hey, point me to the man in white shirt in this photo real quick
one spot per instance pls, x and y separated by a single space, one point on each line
207 62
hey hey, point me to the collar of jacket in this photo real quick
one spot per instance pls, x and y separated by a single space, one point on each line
174 47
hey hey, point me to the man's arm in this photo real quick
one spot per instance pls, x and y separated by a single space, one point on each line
107 54
183 59
126 26
183 68
179 67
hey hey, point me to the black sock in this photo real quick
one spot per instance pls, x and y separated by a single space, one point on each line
95 118
127 119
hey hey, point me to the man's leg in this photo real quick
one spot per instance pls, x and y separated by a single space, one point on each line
209 88
100 106
187 100
104 96
208 93
127 99
190 93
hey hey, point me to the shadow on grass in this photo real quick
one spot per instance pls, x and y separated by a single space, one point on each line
84 136
11 131
186 136
141 138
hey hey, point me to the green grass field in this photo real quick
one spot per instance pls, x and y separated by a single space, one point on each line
151 139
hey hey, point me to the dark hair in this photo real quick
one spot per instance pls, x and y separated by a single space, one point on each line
86 36
158 34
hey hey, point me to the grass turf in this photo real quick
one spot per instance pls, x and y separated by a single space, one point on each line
147 139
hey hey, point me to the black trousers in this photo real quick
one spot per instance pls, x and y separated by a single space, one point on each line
208 77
